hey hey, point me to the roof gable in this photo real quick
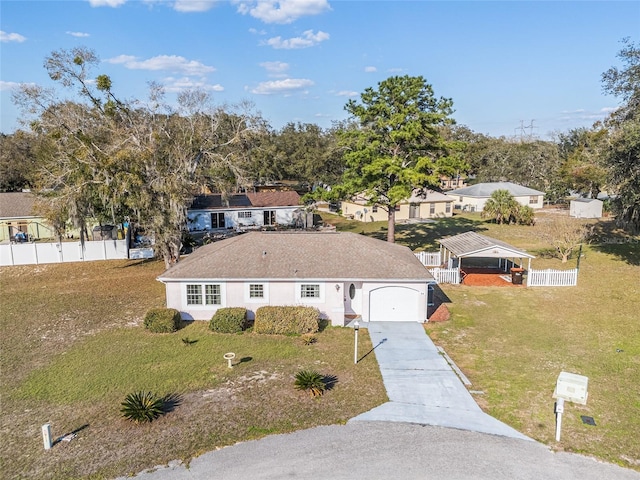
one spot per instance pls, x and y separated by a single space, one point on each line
300 255
472 244
241 200
16 205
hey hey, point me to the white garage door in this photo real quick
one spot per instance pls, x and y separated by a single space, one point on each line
394 304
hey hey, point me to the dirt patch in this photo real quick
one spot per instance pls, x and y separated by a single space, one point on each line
441 314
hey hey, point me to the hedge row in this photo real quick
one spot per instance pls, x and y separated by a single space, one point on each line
286 320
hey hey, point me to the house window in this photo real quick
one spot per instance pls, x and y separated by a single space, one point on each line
533 199
460 199
432 209
256 290
448 207
352 291
244 215
374 209
397 208
212 295
194 294
309 291
430 294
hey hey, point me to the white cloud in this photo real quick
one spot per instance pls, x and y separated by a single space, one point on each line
608 109
173 85
107 3
275 69
286 87
172 63
346 93
370 69
257 32
194 5
6 86
11 37
308 39
78 34
281 11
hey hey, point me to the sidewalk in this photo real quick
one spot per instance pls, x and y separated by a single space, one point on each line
421 386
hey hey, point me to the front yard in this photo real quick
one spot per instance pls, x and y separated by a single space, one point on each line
72 346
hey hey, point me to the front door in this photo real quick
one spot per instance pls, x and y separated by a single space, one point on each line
353 298
414 210
217 220
269 217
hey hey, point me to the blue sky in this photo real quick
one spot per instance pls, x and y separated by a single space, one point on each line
510 67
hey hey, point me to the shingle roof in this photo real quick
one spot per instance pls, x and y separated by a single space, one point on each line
486 189
16 205
472 243
240 200
300 255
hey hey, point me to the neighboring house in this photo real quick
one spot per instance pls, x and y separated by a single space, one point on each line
474 197
451 183
585 208
17 217
420 206
240 211
344 275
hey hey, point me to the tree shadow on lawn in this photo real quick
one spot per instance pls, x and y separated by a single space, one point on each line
425 236
609 239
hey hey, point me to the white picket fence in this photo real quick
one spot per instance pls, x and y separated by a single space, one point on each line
429 259
446 275
38 253
552 278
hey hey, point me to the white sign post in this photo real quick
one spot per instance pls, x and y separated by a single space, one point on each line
46 436
356 327
571 388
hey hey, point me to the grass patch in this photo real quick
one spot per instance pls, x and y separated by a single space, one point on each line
73 346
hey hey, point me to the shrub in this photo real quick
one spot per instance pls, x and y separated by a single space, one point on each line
162 320
286 320
311 381
309 339
141 407
229 320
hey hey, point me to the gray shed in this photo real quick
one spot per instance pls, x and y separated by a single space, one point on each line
585 208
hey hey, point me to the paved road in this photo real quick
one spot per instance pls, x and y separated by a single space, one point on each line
390 451
404 438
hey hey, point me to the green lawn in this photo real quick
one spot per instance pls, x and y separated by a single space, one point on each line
72 347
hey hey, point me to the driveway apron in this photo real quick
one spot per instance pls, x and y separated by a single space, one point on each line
421 386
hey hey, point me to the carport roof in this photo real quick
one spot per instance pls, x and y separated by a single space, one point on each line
472 244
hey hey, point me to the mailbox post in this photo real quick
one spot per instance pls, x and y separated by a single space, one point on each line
571 388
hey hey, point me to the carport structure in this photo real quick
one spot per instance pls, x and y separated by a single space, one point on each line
473 245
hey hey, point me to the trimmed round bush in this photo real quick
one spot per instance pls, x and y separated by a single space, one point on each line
162 320
229 320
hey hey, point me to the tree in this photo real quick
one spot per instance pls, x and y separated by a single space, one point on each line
622 153
103 157
397 146
500 207
563 233
17 161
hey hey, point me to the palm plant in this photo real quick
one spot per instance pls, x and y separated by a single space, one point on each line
141 407
500 207
311 381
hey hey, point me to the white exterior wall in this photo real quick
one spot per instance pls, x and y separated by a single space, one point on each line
332 304
591 209
381 215
199 220
477 203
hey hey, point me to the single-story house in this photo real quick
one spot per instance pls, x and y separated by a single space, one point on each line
451 183
17 215
344 275
420 206
474 197
585 208
244 210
